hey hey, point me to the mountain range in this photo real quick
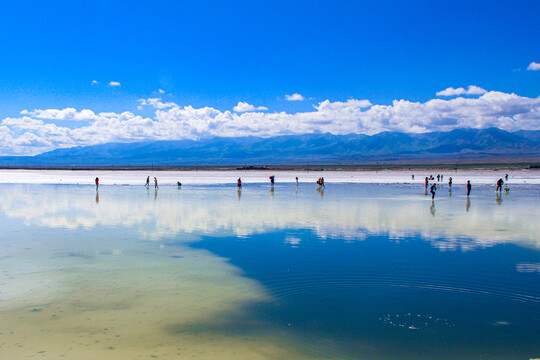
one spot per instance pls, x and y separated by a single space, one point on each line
490 144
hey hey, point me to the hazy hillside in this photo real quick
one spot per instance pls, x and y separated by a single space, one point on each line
314 148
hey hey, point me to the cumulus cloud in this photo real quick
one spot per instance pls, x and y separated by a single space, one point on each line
65 114
534 66
37 130
156 103
471 90
114 83
294 97
245 107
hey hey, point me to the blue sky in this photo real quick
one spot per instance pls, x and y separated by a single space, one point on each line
217 54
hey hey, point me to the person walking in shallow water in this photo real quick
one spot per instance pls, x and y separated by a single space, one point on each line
500 183
155 183
239 183
468 187
148 181
432 190
97 183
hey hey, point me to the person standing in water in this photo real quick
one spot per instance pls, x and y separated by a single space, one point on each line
155 183
500 183
468 187
297 181
272 178
239 182
148 181
426 182
450 182
97 183
432 190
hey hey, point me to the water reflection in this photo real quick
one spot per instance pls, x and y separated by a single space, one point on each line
350 213
261 276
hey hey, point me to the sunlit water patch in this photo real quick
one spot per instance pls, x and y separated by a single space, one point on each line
349 271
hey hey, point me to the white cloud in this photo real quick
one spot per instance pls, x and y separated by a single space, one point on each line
244 107
471 90
94 82
161 91
65 114
156 103
294 97
534 66
114 83
174 122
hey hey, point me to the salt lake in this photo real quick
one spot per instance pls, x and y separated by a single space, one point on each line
368 267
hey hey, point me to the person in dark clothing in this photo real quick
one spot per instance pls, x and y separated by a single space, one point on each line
432 190
500 183
468 187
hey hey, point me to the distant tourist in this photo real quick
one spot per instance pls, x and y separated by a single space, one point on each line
239 182
432 190
506 177
468 187
97 183
450 182
297 181
438 177
426 182
147 181
179 184
155 183
412 176
272 178
442 176
500 183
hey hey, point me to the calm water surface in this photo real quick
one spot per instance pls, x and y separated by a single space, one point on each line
354 271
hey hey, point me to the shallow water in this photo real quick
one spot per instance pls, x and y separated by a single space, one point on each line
354 271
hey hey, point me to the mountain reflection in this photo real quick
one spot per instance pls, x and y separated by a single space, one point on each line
349 212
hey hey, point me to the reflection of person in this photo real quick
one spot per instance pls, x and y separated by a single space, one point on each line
468 204
147 181
500 183
432 208
97 183
97 197
239 192
499 199
320 190
155 183
468 187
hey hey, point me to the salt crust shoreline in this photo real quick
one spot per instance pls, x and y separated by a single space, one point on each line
481 176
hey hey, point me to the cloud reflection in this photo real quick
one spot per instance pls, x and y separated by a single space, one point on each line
348 212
